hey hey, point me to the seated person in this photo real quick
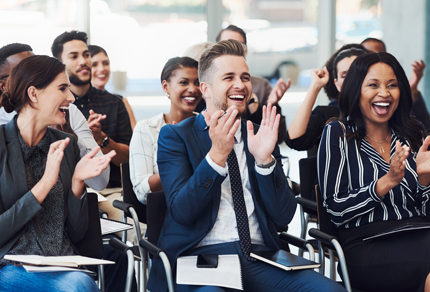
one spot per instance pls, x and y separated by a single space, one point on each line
100 74
206 171
375 175
42 179
180 82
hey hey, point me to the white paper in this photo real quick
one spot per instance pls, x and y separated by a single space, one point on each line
38 269
67 261
228 273
111 226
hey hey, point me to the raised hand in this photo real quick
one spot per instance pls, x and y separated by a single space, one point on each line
423 163
278 91
95 126
319 77
417 73
221 132
262 144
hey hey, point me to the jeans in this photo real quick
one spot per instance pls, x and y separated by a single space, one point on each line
13 278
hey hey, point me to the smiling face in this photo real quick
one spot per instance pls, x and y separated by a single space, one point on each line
54 100
77 59
342 68
230 85
380 94
100 68
183 89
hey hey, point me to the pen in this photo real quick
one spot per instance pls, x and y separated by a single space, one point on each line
207 127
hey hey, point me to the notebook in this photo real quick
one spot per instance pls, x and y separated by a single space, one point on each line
284 260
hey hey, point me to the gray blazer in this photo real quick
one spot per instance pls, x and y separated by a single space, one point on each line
18 205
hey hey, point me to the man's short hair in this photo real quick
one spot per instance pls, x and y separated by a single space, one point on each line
375 40
234 28
65 37
227 47
12 49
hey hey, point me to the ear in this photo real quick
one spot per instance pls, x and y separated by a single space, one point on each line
2 85
204 88
32 93
337 85
165 86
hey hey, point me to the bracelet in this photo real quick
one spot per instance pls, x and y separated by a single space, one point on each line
268 165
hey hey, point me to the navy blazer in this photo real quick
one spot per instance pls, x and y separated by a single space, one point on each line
18 205
193 191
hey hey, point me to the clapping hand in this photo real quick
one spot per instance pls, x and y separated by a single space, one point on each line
262 144
398 163
91 166
423 163
53 161
95 126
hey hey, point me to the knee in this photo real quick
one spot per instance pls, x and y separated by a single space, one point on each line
79 281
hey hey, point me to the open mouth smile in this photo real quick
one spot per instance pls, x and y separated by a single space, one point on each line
381 107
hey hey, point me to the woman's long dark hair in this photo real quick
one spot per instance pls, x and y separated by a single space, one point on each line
401 122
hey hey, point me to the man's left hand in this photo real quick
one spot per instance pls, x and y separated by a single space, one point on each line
262 144
95 126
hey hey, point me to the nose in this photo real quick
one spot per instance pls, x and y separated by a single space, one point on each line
70 97
238 83
193 88
384 92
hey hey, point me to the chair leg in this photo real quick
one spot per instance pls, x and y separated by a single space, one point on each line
321 258
101 281
332 265
130 270
342 263
304 225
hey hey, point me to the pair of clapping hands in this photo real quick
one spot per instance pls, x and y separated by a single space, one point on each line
222 128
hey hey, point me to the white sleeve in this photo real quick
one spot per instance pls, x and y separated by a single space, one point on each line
143 157
86 143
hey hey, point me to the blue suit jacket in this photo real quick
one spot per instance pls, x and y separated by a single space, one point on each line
193 191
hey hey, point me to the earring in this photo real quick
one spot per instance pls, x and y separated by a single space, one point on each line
35 100
168 96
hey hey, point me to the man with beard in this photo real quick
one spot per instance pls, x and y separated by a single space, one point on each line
106 114
224 184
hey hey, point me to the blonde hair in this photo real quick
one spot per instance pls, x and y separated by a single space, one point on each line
195 51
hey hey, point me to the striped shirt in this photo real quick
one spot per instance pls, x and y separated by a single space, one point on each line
348 172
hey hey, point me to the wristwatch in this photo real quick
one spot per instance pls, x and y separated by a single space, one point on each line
105 142
268 165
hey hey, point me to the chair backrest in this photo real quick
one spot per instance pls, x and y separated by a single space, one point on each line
128 193
308 179
156 212
91 245
324 221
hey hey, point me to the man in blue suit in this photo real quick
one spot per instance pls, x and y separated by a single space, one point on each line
199 187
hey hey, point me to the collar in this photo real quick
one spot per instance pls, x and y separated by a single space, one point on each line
27 152
86 95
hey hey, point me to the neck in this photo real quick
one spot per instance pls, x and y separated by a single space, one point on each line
30 126
80 90
176 116
378 133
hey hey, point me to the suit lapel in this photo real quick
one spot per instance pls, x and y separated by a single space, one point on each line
15 163
202 137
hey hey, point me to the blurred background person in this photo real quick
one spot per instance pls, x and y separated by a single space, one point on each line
180 82
100 74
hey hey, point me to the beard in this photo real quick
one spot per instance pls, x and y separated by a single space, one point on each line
74 79
222 105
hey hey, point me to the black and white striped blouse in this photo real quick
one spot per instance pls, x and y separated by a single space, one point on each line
348 173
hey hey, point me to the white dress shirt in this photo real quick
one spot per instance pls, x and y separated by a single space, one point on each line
225 227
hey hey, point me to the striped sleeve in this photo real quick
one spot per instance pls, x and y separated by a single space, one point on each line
336 159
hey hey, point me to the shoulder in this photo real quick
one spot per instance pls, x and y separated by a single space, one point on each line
326 111
105 95
337 128
183 128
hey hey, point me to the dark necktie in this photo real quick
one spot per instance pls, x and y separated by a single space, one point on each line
239 205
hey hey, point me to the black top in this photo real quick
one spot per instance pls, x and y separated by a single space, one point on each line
116 125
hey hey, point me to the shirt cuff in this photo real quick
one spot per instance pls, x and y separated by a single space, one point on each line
425 190
265 171
219 169
372 192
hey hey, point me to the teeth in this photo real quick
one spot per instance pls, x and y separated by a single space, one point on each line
189 98
381 104
64 108
101 76
236 96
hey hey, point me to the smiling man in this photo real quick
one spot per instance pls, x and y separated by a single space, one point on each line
106 114
224 185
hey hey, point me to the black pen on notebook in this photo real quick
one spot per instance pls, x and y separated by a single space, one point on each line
207 127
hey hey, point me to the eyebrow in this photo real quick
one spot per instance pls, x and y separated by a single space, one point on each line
232 73
374 79
63 84
73 53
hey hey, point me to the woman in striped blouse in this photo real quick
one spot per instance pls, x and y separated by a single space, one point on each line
375 175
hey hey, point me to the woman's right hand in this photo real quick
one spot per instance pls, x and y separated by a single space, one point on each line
396 172
319 77
52 170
